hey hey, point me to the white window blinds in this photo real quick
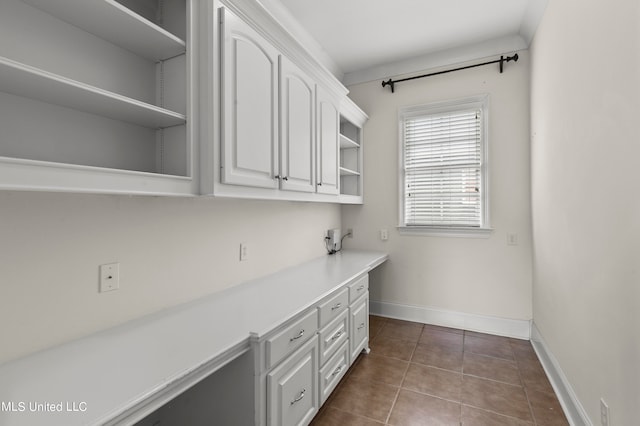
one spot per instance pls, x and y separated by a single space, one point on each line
443 169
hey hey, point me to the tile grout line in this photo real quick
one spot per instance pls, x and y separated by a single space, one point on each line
524 388
404 376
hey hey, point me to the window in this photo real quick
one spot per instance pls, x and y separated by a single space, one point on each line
444 167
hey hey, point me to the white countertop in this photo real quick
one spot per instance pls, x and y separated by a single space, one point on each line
98 377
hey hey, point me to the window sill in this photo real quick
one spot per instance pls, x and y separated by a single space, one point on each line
435 231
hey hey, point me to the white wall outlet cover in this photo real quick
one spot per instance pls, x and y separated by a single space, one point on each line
109 277
384 234
244 252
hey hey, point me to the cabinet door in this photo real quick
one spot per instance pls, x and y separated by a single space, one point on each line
293 388
297 116
328 128
359 336
249 106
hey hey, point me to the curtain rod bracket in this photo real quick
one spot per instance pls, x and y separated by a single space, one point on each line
501 61
391 83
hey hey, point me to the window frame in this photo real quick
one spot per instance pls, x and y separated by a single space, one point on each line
474 102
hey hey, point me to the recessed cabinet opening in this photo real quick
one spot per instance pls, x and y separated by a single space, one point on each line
350 158
99 83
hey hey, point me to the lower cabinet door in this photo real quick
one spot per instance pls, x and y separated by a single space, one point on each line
292 388
359 336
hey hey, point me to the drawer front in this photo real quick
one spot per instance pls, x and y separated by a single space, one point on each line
291 338
293 388
333 371
358 288
359 336
333 336
333 307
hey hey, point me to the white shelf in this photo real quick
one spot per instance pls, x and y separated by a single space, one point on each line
346 143
31 175
117 24
24 80
348 172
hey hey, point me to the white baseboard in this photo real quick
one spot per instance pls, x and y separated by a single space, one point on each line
519 329
573 409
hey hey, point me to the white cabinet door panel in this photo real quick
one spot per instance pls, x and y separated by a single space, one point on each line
297 116
359 335
328 128
250 105
293 388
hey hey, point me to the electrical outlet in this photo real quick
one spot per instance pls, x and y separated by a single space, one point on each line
512 239
244 252
605 415
384 234
349 233
109 277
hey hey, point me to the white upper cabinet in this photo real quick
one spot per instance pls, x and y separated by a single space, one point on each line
249 106
328 127
96 96
297 137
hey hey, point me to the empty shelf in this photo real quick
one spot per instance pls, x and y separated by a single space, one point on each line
348 172
345 142
24 80
117 24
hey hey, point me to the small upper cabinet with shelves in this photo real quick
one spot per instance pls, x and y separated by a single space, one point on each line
94 96
352 120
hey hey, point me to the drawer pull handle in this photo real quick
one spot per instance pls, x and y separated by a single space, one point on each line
360 288
300 334
299 398
337 306
336 336
337 371
361 326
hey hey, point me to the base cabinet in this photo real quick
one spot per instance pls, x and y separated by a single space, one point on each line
299 363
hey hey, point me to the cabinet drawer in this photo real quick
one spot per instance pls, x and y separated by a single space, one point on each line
333 371
333 307
333 336
293 388
358 288
359 336
291 338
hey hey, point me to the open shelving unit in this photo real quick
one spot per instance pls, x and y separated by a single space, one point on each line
95 96
352 120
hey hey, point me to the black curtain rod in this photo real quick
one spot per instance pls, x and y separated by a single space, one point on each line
502 60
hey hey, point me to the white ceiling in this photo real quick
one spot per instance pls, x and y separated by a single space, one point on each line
367 39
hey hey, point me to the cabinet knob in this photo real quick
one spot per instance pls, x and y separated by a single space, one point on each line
319 183
285 178
276 177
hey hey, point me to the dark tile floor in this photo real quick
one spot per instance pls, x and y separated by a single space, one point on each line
420 374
